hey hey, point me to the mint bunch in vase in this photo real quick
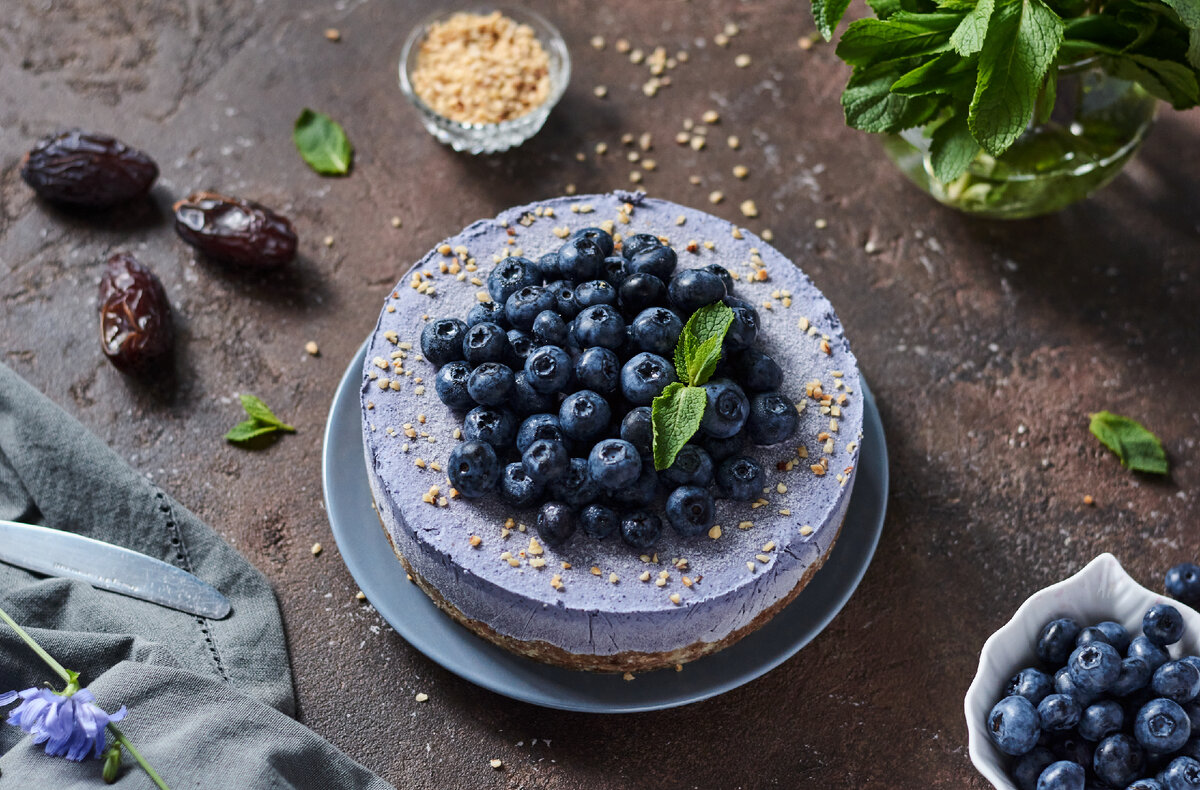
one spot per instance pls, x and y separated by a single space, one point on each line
1015 108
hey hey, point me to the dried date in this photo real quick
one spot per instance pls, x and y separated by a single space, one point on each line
135 316
235 231
89 170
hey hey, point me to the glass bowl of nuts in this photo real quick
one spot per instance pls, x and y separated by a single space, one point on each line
485 79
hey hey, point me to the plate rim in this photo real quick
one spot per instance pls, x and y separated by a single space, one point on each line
348 387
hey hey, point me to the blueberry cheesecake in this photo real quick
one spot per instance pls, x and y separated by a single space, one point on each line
609 432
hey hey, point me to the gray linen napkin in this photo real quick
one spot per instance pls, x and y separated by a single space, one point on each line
209 701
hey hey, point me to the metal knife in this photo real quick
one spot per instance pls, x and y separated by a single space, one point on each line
121 570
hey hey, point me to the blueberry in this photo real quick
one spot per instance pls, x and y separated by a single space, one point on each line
1012 725
1062 776
564 298
594 292
524 305
545 460
497 427
548 369
580 259
1032 684
614 463
1191 748
1118 637
547 267
740 477
773 418
598 369
599 325
1135 674
1058 712
1089 635
690 510
1101 719
616 270
1192 709
1118 760
1183 583
525 399
1161 726
640 291
520 345
644 377
1057 640
488 313
720 449
601 237
744 328
451 385
442 340
638 243
754 370
1094 667
640 494
1163 624
517 487
511 275
692 467
1145 784
599 521
1029 767
1072 748
491 383
472 468
1154 656
575 486
638 430
691 289
726 409
584 415
540 426
1064 685
723 273
485 343
659 261
656 329
1177 680
555 523
549 329
641 529
1182 774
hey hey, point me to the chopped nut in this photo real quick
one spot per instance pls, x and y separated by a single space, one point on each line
740 171
499 763
749 209
475 541
316 549
597 43
333 34
742 61
311 348
600 91
612 578
628 676
710 117
675 599
716 197
421 697
714 532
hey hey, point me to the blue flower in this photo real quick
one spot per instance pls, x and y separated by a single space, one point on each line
70 726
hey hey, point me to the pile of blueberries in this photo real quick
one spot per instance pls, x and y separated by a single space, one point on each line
557 374
1109 712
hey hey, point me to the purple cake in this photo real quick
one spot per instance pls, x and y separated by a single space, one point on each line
599 604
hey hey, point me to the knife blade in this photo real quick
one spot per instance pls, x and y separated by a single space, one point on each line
115 568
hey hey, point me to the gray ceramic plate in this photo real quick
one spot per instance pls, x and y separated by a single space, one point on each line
372 564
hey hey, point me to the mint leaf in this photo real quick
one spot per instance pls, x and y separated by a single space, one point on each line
699 348
245 431
1189 13
946 73
885 8
952 149
868 42
675 417
322 143
1164 79
871 106
260 412
1046 98
827 14
1137 448
968 38
1022 41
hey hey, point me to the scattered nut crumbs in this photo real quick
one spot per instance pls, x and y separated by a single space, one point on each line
716 197
421 697
481 68
740 171
333 34
597 42
497 764
749 208
628 676
328 241
1088 499
710 117
742 61
715 532
311 348
316 549
396 222
600 91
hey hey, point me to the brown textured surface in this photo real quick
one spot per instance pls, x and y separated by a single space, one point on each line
987 344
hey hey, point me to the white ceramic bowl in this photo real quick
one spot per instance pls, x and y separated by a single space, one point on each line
1101 591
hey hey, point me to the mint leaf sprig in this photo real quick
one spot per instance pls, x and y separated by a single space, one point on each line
675 414
262 421
322 143
1138 448
976 73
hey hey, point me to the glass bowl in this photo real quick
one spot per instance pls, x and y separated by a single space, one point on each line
488 138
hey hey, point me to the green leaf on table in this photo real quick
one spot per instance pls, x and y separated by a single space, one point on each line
947 73
260 412
262 421
1137 448
249 429
968 38
699 348
1022 41
868 42
827 14
871 106
952 149
675 417
1165 79
322 143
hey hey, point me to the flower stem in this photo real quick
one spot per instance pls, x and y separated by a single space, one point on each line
121 739
35 647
